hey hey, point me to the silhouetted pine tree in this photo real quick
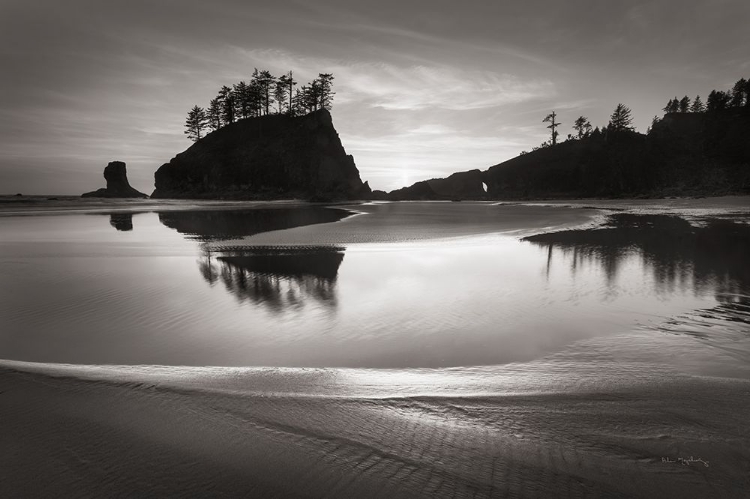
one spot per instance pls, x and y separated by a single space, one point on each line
241 92
685 104
195 124
280 90
325 92
226 98
739 93
582 126
266 82
673 106
553 124
621 119
697 106
717 100
213 114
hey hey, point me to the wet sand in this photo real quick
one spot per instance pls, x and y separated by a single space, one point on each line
631 415
577 424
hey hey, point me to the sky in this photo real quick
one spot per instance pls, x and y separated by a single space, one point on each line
423 88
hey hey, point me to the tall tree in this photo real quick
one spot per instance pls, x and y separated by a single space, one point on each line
325 92
255 95
266 82
717 100
673 106
195 123
213 114
654 122
697 106
621 119
280 91
290 81
241 92
685 104
226 98
553 124
582 126
739 93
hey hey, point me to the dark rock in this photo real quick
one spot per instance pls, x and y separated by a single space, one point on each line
19 195
420 191
461 185
269 157
684 154
377 195
458 186
118 186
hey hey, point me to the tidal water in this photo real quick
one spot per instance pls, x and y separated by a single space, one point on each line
398 285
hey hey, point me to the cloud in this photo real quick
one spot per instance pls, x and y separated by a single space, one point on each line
395 87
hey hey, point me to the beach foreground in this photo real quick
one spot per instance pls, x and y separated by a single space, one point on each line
577 424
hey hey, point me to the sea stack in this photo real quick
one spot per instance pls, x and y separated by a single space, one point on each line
118 186
269 157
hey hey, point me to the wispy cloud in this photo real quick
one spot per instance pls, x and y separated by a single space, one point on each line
394 87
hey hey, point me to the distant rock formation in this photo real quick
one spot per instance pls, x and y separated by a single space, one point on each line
269 157
459 186
118 186
684 154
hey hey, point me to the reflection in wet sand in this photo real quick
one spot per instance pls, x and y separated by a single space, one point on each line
710 257
277 278
121 221
220 225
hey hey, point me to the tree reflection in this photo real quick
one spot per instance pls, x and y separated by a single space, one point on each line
711 257
277 278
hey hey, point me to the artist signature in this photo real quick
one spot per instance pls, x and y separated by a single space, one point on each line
685 461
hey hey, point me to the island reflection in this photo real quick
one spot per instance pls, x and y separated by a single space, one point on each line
710 257
121 221
276 277
218 225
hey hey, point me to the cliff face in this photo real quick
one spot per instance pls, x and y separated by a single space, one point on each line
116 175
265 158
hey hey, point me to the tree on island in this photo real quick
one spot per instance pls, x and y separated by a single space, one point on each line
684 104
553 124
196 122
255 98
697 106
289 81
739 93
213 114
280 91
582 126
621 119
325 92
717 100
672 106
227 103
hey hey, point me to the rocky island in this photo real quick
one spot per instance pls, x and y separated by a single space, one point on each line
265 157
116 175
